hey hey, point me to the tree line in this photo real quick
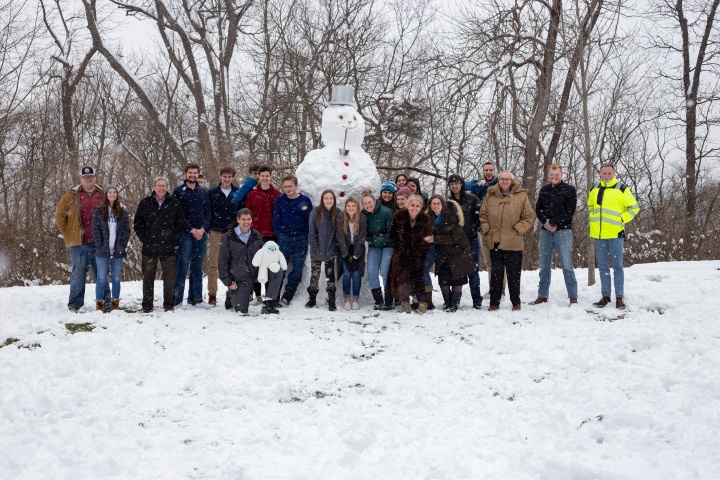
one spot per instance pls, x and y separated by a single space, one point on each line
521 83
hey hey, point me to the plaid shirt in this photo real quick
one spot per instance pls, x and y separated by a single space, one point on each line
88 204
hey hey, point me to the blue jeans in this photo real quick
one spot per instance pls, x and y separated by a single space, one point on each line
349 278
115 265
294 249
378 261
190 252
474 278
82 257
603 249
429 262
562 241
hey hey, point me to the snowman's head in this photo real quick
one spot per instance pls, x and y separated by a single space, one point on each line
338 119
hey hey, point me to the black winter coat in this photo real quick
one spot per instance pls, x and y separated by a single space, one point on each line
159 226
557 204
358 244
451 243
222 211
470 205
235 257
101 234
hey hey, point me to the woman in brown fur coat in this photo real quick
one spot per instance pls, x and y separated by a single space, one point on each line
410 231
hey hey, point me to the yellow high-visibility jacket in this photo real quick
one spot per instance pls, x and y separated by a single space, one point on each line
611 205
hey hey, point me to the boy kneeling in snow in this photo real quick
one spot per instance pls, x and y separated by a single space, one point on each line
239 247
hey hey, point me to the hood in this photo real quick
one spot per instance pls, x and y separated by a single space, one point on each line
454 213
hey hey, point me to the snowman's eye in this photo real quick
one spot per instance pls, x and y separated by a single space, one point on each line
341 117
354 118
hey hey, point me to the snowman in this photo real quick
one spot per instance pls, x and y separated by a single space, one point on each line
341 165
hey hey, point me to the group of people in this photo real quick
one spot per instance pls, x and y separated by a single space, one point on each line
255 235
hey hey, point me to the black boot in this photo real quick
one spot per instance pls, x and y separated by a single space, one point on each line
428 298
446 299
331 299
389 301
454 302
228 301
286 298
269 307
377 297
312 297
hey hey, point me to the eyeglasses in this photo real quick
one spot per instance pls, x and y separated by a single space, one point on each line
454 182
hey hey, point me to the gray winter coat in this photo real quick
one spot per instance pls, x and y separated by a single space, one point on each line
235 257
321 238
358 243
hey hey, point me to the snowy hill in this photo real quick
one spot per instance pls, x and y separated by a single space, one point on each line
549 392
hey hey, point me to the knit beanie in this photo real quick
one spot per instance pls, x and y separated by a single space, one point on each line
389 186
403 192
111 187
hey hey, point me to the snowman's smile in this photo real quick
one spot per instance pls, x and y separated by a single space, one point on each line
348 123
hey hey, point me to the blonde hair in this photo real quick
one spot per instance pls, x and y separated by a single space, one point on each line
555 166
414 198
355 218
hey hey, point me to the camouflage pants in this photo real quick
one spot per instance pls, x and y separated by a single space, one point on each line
315 273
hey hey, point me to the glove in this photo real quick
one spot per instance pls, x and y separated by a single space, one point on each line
352 263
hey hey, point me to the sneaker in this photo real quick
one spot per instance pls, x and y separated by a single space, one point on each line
203 305
348 306
356 306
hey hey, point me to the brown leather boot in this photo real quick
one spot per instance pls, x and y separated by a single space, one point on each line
99 305
492 308
539 300
212 299
619 304
115 303
516 307
573 300
602 302
405 307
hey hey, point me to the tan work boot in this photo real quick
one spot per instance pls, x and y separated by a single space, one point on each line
405 306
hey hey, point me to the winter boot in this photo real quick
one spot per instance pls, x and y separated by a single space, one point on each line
115 303
454 302
377 297
389 301
212 299
228 301
446 299
269 307
619 304
332 306
99 305
602 302
539 300
422 308
286 298
405 306
312 297
428 298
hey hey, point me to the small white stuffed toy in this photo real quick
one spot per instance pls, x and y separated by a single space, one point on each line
269 257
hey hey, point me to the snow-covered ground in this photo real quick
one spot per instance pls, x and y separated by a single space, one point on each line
549 392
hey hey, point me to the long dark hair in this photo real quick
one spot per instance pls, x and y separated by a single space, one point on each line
116 209
320 209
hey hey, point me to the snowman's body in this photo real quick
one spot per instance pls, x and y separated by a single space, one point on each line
327 168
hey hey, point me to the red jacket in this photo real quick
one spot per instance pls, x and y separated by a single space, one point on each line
261 203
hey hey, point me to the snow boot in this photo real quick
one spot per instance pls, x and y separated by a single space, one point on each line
269 307
446 299
115 303
212 299
332 306
602 302
99 305
454 302
389 301
405 306
312 297
286 298
428 298
377 297
619 304
539 300
228 301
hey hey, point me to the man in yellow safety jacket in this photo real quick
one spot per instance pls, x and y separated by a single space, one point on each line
611 205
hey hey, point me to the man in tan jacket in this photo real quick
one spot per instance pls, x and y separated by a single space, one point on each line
73 217
505 216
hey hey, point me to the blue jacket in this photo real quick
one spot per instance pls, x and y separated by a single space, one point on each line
223 210
239 195
101 234
292 217
196 206
480 190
